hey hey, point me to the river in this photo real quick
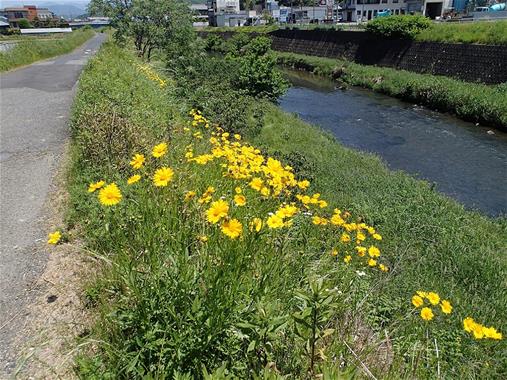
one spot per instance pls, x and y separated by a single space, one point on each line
464 161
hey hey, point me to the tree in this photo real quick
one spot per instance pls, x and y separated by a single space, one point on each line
24 24
153 24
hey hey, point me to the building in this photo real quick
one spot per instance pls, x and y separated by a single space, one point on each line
45 14
227 13
436 8
200 14
364 10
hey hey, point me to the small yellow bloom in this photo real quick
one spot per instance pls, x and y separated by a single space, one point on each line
135 178
373 251
217 211
239 200
189 195
446 307
372 262
95 186
491 333
274 221
256 224
202 238
159 150
237 190
110 195
232 228
256 184
163 176
54 238
237 137
345 238
265 191
334 252
433 297
361 251
427 314
303 185
417 301
468 324
478 331
377 237
383 268
347 259
137 161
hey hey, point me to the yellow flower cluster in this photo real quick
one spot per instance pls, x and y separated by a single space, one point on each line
152 75
270 179
479 331
430 299
54 238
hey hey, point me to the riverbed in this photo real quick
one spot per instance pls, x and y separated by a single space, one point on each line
464 161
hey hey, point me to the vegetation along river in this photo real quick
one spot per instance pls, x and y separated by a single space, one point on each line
464 161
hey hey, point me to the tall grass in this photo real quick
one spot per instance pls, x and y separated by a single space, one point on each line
28 51
179 299
469 101
483 32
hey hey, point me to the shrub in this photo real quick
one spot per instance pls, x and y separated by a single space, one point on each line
398 26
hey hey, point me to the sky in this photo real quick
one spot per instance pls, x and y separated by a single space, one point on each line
9 3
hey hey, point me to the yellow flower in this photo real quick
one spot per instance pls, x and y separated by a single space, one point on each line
110 195
420 293
159 150
347 259
287 211
417 301
373 251
239 200
232 228
361 251
274 221
237 190
345 238
427 314
433 297
322 204
478 331
133 179
237 137
202 238
490 332
318 221
334 252
303 185
137 161
54 238
95 186
256 224
372 262
383 268
163 176
206 197
217 211
468 324
265 191
256 184
189 195
377 237
446 307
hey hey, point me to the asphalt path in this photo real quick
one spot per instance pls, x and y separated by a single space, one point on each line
35 104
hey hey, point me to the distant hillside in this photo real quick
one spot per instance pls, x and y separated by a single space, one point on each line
64 10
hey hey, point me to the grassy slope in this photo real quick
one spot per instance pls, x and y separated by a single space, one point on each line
431 242
489 33
469 101
32 50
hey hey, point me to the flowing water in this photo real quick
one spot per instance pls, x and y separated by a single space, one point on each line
466 162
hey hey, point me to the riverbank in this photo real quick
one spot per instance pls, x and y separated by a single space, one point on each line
177 293
31 50
477 103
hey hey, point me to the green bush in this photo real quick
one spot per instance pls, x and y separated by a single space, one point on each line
406 26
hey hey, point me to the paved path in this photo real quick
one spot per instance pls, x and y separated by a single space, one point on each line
35 106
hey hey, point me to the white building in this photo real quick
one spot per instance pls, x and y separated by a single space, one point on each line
223 6
436 8
44 14
364 10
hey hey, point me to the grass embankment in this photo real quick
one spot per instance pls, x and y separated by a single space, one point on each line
176 294
469 101
30 50
483 32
